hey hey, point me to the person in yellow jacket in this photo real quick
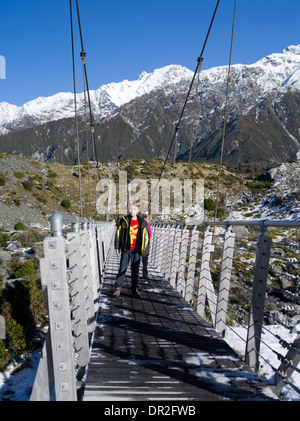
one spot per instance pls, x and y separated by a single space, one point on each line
132 242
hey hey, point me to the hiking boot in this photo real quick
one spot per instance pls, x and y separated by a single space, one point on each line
135 293
117 292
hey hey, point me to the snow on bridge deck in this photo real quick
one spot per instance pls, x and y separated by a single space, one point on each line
158 348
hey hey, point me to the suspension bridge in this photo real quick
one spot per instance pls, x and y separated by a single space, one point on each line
168 345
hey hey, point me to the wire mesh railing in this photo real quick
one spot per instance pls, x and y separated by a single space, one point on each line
71 275
242 277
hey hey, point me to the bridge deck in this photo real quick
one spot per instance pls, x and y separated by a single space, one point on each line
159 348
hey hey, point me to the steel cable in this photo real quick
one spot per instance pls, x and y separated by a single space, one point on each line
75 105
199 60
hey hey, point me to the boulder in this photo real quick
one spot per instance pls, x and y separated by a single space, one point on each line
5 257
38 250
271 174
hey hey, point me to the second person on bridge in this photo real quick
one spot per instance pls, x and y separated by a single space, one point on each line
132 241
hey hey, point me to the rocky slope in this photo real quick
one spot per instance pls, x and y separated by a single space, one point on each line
30 191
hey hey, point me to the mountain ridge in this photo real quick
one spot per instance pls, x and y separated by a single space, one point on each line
108 97
137 118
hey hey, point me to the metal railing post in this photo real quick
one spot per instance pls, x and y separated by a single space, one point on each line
70 282
99 252
206 288
286 368
54 270
57 224
224 285
77 293
160 250
157 239
165 248
181 281
94 266
169 252
87 279
258 299
175 258
189 286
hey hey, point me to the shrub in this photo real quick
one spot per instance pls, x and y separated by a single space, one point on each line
23 306
5 356
19 174
2 180
15 339
37 177
209 204
37 306
19 226
27 238
3 154
220 213
41 199
28 184
24 302
14 343
25 270
66 203
51 174
4 238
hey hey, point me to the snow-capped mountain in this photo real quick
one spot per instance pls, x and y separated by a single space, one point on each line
105 100
137 118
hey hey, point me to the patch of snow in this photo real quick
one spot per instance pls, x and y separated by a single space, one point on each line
18 386
236 338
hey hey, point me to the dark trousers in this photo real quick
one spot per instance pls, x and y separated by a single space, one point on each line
126 257
145 266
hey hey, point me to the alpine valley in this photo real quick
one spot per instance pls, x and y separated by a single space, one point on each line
137 119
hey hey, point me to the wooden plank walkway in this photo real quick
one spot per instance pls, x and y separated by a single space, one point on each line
158 348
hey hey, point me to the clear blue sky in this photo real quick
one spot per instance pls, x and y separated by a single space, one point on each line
122 38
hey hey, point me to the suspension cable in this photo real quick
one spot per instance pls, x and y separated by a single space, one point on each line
177 127
194 117
92 123
87 142
75 105
225 111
